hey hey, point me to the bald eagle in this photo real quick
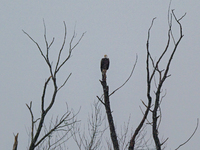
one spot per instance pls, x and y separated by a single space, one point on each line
104 66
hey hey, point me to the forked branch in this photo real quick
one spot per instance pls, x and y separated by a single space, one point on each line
15 142
162 75
53 78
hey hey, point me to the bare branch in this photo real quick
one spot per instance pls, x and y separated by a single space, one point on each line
124 135
160 109
57 133
139 127
47 45
44 93
148 53
59 55
127 78
180 26
32 119
182 17
166 48
56 127
148 122
146 105
92 140
164 141
190 136
15 142
45 58
36 44
100 100
95 122
64 82
70 50
170 21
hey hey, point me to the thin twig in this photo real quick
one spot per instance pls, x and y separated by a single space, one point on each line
32 119
191 135
70 50
64 82
36 44
59 55
127 78
101 100
148 53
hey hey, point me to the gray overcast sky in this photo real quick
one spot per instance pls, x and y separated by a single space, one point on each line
116 28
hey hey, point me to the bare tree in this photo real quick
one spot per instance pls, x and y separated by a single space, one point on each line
56 133
90 139
62 123
162 75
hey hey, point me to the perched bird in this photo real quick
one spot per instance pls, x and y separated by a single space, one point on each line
104 66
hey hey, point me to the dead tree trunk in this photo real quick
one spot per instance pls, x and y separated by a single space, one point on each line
109 114
15 142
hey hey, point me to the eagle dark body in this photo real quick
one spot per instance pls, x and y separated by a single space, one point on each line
104 64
